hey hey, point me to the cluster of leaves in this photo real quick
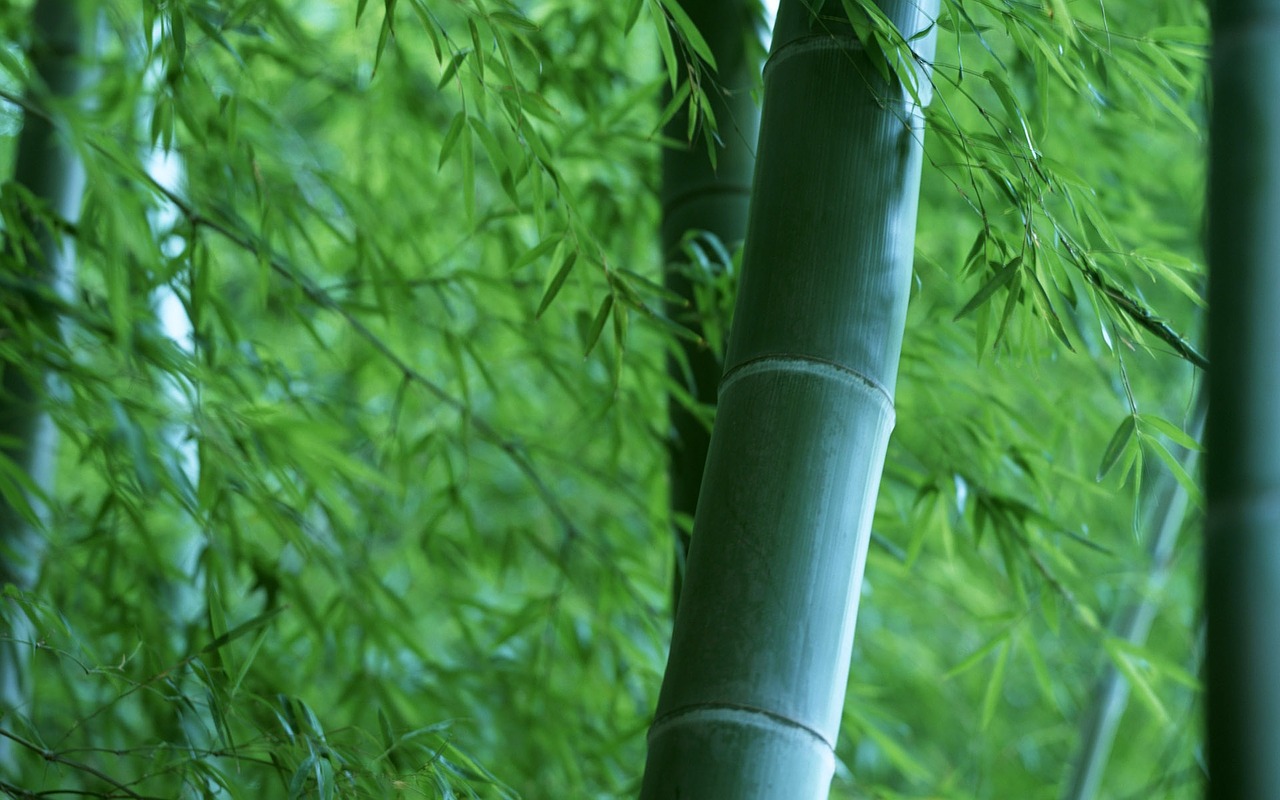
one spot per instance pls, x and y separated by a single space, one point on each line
1019 520
363 512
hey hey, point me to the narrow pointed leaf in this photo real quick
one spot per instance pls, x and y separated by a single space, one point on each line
557 281
1116 447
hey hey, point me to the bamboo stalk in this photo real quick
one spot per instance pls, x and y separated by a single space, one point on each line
754 688
1242 536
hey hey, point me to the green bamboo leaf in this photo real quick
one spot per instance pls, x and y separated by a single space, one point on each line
1003 275
538 251
1159 663
324 779
665 43
249 658
451 138
537 106
452 67
360 6
1050 314
1145 692
424 16
1119 442
1061 13
619 332
218 622
468 174
178 27
898 755
597 324
211 22
678 98
995 685
386 33
16 487
1007 99
982 330
298 783
652 286
384 727
689 31
978 655
492 148
479 50
515 21
1175 466
13 66
1187 34
633 14
1043 677
557 281
1178 435
975 258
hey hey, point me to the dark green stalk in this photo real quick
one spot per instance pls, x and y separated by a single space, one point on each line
1242 537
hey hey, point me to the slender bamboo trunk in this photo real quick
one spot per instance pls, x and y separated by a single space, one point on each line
49 169
753 693
699 196
1242 536
1168 512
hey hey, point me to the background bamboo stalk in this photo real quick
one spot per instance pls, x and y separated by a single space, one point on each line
1242 547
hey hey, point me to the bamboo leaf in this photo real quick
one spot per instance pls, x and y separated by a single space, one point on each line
492 148
597 324
664 42
479 50
384 728
1175 466
557 281
386 33
978 655
1003 275
468 174
633 14
537 251
451 138
226 638
689 31
1179 436
995 685
517 22
1145 692
1158 663
298 783
452 67
1117 445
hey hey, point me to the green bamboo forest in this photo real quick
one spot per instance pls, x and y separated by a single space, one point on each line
667 399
